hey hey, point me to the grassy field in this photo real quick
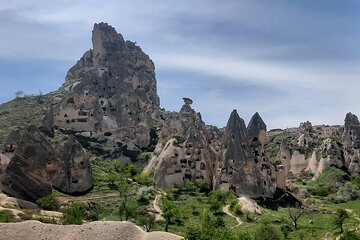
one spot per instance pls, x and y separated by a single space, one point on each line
21 112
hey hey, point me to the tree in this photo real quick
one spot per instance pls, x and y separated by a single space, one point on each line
266 231
49 202
295 213
147 221
170 211
340 216
125 209
74 214
19 93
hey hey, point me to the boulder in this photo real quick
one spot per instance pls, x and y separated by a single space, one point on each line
30 171
74 171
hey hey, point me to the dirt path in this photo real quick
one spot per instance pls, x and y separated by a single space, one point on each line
156 209
227 211
65 199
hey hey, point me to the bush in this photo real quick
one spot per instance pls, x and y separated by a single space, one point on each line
268 232
74 214
349 235
346 193
144 156
179 138
49 202
145 194
242 235
144 178
237 209
6 216
204 186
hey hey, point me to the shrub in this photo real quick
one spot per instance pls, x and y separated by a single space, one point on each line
145 194
349 235
74 214
346 193
6 216
242 235
268 232
144 156
204 186
144 178
49 202
237 209
179 138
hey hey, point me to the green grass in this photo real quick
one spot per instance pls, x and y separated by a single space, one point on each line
6 216
21 112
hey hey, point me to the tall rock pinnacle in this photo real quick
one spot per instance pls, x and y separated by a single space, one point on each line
109 94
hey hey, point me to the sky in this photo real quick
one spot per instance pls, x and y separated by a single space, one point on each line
291 61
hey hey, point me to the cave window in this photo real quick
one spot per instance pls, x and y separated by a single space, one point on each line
188 174
107 134
264 183
255 139
65 115
82 113
82 120
202 166
256 153
72 120
70 100
304 141
68 121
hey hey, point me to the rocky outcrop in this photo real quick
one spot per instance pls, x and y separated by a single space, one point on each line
74 171
246 169
185 150
351 142
109 96
37 167
30 171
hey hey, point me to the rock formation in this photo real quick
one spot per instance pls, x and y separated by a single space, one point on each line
351 142
74 171
246 169
36 167
109 95
30 171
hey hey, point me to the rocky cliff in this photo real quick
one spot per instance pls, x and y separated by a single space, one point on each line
306 151
109 96
109 103
35 167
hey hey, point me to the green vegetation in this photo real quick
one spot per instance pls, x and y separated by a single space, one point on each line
340 216
144 156
20 112
74 214
49 202
6 216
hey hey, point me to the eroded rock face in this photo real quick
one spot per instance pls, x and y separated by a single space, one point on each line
109 95
74 171
246 169
36 167
30 171
188 154
351 141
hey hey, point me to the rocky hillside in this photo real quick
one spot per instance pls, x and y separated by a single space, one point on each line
109 105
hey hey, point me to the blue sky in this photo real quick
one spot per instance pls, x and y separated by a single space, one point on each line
291 61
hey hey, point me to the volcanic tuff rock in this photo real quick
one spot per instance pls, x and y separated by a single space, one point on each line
27 175
36 167
74 171
109 95
246 168
313 148
109 103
